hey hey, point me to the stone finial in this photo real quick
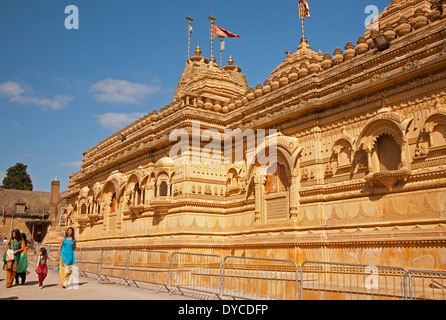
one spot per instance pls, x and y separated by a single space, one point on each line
293 74
362 46
251 94
326 62
217 106
420 19
266 87
337 56
435 14
198 51
389 32
350 52
231 105
314 66
403 27
303 70
275 83
258 93
208 105
283 79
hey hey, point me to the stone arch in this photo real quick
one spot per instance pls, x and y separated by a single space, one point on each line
91 202
109 195
383 129
387 152
233 181
133 191
342 152
162 184
377 128
435 126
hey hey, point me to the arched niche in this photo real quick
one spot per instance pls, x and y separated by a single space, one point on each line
435 126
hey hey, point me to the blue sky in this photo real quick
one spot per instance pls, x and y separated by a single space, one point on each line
63 91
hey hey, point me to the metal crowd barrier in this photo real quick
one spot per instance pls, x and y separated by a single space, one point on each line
90 262
425 285
260 279
148 267
196 272
341 281
113 264
256 278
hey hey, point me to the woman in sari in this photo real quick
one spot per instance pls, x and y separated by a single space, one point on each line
22 268
66 256
10 267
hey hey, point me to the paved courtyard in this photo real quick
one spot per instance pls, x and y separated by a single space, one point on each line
86 289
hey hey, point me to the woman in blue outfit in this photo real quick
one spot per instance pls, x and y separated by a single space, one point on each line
66 256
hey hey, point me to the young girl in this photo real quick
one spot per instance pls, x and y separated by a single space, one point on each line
42 269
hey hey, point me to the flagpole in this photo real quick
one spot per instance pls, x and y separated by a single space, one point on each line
212 19
189 33
301 17
221 49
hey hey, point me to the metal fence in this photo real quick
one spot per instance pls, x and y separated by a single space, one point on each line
260 279
425 285
151 267
196 272
254 278
340 281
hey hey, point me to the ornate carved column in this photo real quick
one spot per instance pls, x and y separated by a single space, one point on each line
429 128
294 198
259 182
404 155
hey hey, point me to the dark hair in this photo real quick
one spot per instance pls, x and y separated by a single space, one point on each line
72 232
15 235
45 254
23 236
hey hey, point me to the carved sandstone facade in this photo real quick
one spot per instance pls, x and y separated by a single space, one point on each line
361 165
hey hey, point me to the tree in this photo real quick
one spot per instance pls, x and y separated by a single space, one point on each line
17 178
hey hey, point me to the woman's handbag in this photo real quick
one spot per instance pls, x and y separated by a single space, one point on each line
9 255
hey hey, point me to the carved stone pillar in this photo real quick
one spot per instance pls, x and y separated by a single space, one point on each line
370 160
258 187
294 198
404 155
429 128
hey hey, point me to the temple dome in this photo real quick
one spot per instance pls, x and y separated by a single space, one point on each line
295 60
204 78
165 162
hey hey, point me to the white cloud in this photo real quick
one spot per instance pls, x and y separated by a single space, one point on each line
116 121
11 89
73 164
2 176
121 91
16 93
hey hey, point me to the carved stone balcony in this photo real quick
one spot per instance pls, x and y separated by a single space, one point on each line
94 217
82 220
137 209
388 179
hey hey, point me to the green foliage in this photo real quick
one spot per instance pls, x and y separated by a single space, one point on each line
17 178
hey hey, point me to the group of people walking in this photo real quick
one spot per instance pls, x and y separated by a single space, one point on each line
15 259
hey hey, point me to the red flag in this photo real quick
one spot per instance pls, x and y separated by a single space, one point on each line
305 7
218 31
